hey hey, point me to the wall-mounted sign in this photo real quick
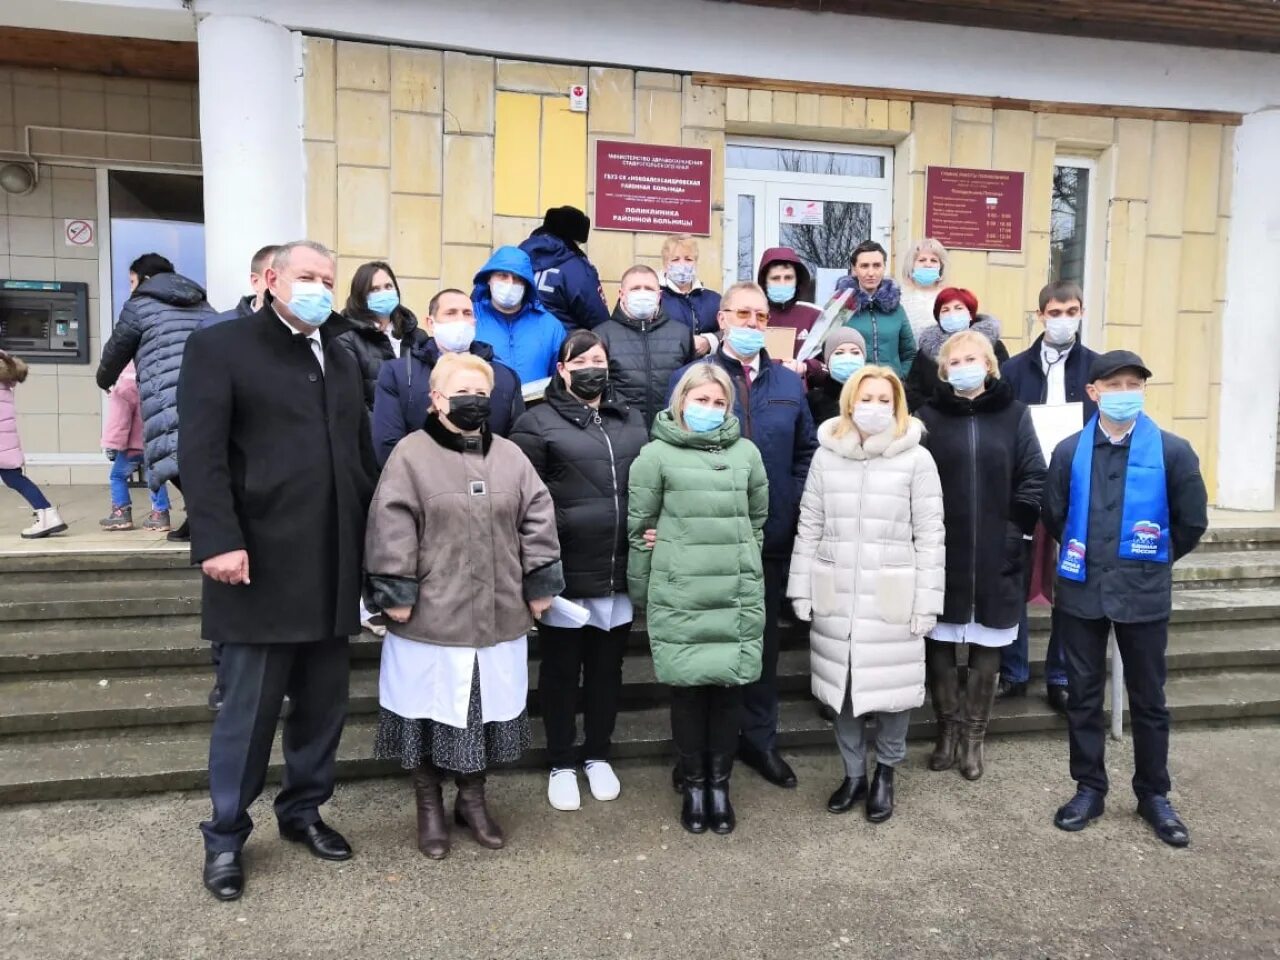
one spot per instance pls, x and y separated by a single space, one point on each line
801 212
578 98
652 189
974 209
78 233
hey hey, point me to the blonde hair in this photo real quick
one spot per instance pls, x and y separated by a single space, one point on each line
849 396
679 241
958 340
696 376
451 363
927 245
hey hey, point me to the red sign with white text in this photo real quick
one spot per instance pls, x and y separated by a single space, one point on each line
651 188
974 209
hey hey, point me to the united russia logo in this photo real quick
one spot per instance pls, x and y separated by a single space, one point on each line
1073 557
1146 537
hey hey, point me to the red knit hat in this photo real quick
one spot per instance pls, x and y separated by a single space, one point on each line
951 294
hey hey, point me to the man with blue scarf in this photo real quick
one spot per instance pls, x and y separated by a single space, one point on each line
1125 500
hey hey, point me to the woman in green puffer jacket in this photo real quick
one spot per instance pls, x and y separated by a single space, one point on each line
703 489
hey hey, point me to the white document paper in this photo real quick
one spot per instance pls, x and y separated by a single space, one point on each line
818 332
534 389
567 608
1055 423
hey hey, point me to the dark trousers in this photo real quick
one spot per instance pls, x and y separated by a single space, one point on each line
21 484
256 678
1142 648
593 656
760 699
1015 659
705 719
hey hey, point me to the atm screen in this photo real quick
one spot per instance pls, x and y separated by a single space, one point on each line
24 323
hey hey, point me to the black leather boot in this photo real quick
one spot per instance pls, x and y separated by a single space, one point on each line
693 779
847 795
979 696
944 691
880 797
721 813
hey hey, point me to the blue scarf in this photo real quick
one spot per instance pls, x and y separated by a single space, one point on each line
1144 519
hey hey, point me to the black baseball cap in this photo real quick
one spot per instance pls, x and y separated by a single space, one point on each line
1113 361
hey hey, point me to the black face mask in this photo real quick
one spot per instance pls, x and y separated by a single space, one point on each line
588 382
468 411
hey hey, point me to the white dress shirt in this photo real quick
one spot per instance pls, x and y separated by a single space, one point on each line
1053 362
313 338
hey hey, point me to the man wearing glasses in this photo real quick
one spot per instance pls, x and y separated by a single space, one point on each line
769 402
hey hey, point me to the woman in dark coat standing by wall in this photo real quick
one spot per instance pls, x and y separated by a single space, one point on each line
992 472
374 322
582 441
955 309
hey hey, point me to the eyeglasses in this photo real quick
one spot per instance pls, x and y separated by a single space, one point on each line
743 314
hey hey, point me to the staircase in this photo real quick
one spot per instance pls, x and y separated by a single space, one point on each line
104 677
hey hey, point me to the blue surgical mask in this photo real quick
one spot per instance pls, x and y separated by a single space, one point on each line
780 292
454 336
746 342
845 365
701 419
955 321
311 302
506 293
926 276
382 302
968 376
682 274
1121 405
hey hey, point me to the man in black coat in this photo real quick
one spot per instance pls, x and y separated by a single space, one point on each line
276 445
1126 507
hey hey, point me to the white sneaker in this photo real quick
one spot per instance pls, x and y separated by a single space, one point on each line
602 780
562 790
48 522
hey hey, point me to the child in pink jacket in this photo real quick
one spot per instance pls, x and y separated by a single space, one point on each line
123 443
12 372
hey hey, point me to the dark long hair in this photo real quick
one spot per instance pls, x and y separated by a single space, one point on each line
358 298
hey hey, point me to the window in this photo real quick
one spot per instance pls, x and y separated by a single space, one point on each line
789 160
746 237
1069 220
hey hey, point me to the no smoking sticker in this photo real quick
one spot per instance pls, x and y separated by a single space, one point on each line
79 233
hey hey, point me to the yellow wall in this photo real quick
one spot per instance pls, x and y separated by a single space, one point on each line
432 159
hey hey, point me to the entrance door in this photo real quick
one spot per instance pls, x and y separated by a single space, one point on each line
820 200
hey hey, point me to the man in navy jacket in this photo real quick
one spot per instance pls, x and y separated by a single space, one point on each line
769 403
567 284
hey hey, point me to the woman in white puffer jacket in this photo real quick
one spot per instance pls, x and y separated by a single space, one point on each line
868 569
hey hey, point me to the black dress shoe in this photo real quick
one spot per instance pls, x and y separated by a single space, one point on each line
1159 812
769 764
1080 811
847 795
880 796
1057 696
224 874
323 841
1008 690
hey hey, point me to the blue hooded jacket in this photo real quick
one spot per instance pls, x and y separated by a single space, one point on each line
568 285
527 342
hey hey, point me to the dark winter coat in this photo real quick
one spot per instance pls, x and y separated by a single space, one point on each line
584 457
369 347
568 285
152 331
992 474
774 415
403 391
923 380
1025 374
696 309
243 308
643 354
277 462
824 400
1128 591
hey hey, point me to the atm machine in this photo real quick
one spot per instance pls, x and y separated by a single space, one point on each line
45 321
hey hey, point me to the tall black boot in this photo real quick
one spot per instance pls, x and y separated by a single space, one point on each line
944 691
693 774
979 696
721 814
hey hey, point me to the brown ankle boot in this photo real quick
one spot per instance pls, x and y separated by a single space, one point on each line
433 828
944 692
470 811
979 697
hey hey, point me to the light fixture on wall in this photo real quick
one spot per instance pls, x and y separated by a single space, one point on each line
17 178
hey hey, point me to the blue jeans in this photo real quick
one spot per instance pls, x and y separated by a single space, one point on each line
21 484
1015 659
121 467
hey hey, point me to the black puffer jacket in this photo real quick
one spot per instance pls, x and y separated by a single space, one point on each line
584 458
152 331
923 381
359 335
992 474
643 354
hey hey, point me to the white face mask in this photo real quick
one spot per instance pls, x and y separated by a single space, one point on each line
873 418
1061 330
455 336
642 304
506 293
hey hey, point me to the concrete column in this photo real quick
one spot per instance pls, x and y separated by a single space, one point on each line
251 143
1251 322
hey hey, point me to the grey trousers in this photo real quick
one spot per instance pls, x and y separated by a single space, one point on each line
851 737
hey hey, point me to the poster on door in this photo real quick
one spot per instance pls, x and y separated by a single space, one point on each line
653 189
801 212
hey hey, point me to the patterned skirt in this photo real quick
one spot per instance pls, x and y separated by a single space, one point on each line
416 743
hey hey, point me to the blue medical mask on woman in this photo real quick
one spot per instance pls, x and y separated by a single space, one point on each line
311 302
780 292
702 419
926 276
845 365
955 321
383 302
1121 405
745 341
967 376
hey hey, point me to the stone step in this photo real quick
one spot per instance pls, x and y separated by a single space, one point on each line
85 564
131 765
1221 539
1230 567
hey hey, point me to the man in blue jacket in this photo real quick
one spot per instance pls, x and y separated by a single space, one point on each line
568 285
511 319
1053 370
402 396
769 403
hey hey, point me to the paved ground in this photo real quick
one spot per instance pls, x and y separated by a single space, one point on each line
963 870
